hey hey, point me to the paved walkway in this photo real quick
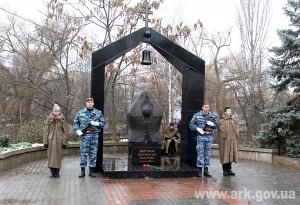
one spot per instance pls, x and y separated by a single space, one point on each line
255 183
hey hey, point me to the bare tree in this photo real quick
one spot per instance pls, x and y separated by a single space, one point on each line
216 43
38 62
56 55
113 19
25 66
61 37
248 67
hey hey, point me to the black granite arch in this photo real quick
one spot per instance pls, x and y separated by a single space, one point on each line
190 66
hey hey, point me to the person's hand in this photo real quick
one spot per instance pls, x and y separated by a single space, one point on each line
46 146
210 123
95 123
79 132
200 130
64 146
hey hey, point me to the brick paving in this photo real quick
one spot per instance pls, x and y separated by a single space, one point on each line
29 183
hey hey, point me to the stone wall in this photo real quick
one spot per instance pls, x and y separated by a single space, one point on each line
287 161
16 157
13 158
250 153
115 147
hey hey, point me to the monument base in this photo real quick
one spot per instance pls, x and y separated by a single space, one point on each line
121 167
145 153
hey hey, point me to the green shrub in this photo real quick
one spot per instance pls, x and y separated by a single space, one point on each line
281 126
31 132
4 140
293 147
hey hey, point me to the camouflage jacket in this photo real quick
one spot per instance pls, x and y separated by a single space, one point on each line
200 120
84 117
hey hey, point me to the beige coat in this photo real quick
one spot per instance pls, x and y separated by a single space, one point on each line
55 135
228 134
169 135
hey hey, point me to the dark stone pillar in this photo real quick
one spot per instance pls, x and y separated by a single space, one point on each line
97 92
193 84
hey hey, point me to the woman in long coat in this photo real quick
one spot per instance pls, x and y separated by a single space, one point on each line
54 139
228 134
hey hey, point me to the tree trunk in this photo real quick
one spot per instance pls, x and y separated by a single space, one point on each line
113 114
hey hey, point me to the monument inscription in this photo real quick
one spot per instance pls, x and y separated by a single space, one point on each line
146 154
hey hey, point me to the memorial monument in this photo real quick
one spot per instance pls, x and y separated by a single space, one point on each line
144 118
192 69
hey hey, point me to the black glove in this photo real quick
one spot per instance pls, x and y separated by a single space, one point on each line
64 146
46 146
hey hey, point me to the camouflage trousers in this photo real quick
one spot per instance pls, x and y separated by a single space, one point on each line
204 146
88 146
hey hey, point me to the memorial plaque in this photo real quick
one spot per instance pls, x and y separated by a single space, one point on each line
149 153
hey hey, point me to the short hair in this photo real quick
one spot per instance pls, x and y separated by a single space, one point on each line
205 103
226 108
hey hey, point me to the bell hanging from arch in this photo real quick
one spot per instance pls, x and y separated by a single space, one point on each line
146 58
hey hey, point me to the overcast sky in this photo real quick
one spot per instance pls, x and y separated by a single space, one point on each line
216 15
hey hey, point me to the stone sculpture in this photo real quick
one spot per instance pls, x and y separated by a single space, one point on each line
144 118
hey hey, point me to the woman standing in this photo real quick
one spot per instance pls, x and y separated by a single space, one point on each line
54 139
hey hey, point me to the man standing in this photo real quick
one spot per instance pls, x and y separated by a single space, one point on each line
87 124
204 122
228 135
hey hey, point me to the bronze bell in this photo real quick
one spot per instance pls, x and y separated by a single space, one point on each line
146 58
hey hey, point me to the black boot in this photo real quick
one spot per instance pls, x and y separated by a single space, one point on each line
229 170
206 173
82 173
200 172
225 170
92 172
52 172
56 172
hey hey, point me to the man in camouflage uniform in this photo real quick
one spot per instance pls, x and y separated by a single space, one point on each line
87 124
204 122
